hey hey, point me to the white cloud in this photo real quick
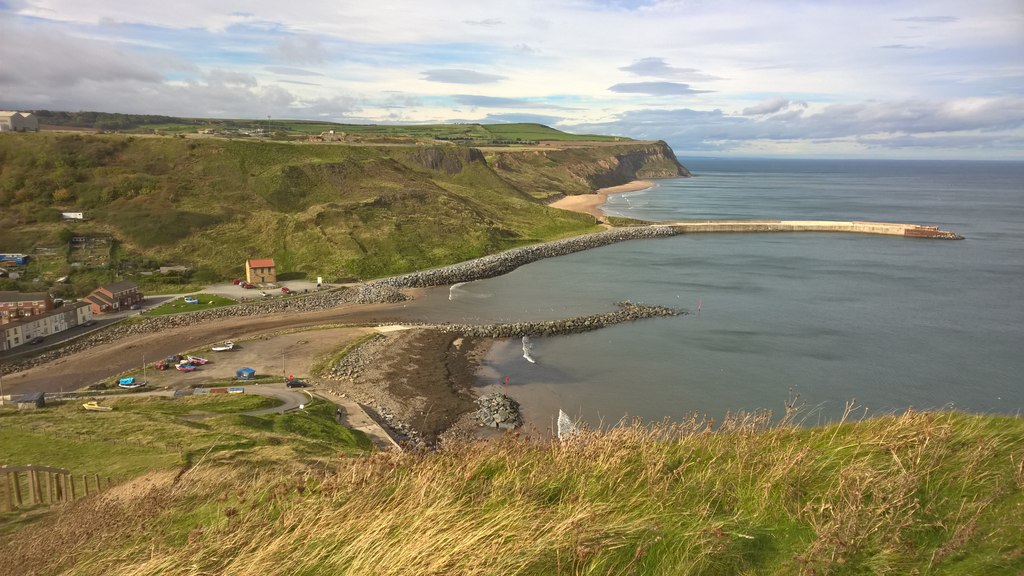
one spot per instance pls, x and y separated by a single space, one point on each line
797 71
300 50
459 76
771 107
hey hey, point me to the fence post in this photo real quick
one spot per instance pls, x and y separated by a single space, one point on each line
33 486
17 488
97 476
85 483
108 482
8 503
71 481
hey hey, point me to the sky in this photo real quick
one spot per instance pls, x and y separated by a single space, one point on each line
939 79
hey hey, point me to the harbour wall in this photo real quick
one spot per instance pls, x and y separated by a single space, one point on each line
885 228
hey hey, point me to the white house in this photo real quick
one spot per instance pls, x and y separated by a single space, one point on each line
18 333
18 122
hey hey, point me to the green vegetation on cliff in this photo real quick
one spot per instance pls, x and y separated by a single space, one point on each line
921 493
327 210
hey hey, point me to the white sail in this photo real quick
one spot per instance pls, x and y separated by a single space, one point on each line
566 427
527 347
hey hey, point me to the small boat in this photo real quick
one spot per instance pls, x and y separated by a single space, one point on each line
185 367
224 347
197 360
236 390
94 406
131 384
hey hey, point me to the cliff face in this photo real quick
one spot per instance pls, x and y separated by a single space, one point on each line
580 170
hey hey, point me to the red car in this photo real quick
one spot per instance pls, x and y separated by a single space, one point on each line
286 290
237 281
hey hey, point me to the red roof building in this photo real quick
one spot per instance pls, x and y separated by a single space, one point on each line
113 297
260 271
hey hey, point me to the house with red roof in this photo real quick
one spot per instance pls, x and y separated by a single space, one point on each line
113 297
260 271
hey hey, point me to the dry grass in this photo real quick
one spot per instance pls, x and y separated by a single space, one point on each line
915 493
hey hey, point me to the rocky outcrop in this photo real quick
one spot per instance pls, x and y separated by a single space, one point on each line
498 411
448 159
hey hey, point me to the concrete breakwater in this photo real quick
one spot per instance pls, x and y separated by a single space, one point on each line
884 228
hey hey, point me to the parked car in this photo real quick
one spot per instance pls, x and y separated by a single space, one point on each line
297 384
237 281
135 307
36 340
262 293
89 323
247 285
286 290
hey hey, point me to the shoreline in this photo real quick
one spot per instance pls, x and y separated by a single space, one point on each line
591 203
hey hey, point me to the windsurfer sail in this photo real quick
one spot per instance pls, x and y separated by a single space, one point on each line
566 427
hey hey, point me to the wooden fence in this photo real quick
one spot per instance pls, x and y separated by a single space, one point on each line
26 486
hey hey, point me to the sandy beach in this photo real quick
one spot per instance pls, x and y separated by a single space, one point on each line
591 203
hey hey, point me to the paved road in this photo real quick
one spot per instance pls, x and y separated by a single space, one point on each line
99 363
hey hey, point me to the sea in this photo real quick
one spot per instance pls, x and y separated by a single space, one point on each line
830 321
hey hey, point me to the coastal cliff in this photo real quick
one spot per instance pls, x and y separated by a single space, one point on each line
567 170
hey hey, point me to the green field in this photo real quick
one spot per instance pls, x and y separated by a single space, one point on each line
144 435
477 134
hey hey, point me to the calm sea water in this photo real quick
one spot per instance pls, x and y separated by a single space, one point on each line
888 322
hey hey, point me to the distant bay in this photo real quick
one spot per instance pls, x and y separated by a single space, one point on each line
890 322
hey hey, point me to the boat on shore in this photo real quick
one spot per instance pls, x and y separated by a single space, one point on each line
130 383
223 347
95 406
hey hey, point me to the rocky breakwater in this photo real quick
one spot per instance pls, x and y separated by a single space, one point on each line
627 312
324 300
498 411
505 262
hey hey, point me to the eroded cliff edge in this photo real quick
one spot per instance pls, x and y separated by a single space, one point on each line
567 170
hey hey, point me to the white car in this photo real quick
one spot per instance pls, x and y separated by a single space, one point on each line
262 293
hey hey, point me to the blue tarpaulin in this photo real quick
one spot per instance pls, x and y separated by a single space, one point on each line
245 373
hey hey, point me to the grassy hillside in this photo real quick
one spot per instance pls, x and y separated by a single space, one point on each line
921 493
318 209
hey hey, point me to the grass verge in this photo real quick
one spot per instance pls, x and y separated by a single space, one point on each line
178 305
